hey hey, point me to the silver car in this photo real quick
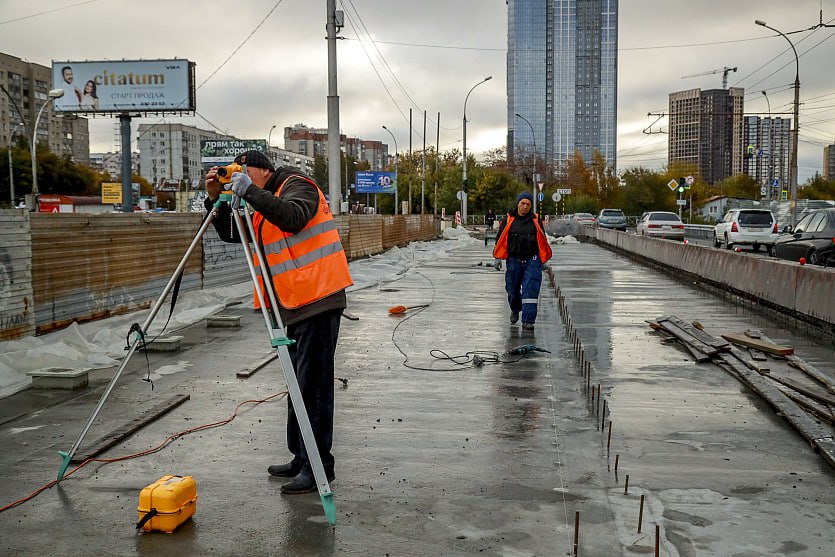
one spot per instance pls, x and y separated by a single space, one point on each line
612 218
661 224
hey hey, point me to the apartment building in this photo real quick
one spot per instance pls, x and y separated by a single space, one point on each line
706 131
23 91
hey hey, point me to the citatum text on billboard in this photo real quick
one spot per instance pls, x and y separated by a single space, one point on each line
124 86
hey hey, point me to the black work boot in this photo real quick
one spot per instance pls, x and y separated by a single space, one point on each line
304 482
289 470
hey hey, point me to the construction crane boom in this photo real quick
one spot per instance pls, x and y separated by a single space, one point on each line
725 71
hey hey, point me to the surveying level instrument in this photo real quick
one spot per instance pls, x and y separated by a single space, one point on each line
275 328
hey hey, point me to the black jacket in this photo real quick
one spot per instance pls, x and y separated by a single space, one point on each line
521 238
290 211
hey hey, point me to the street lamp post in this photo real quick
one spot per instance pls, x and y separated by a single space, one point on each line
396 158
51 96
793 177
533 172
269 135
464 176
11 172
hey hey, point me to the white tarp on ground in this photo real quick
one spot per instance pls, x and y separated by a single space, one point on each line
101 344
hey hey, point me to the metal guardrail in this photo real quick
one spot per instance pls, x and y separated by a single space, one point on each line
698 230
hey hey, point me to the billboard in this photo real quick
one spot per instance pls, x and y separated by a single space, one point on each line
124 86
376 182
220 152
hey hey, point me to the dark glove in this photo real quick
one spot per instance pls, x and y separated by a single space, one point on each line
240 183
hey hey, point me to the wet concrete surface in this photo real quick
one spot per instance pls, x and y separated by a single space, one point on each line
438 458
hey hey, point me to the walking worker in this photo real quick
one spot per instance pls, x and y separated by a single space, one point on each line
308 268
523 243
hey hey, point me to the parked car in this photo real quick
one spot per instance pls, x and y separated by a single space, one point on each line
746 227
661 224
612 218
813 238
584 218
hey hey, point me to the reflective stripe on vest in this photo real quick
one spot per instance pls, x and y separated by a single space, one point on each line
306 259
275 248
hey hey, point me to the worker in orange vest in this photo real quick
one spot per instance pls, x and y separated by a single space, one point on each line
523 243
308 268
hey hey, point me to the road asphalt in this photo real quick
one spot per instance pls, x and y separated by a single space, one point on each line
438 456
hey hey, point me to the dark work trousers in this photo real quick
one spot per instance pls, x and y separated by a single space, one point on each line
313 358
522 281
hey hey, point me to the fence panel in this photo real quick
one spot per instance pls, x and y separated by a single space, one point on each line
17 311
89 266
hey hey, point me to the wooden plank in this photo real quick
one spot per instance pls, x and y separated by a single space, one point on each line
808 369
756 355
759 344
699 333
687 338
670 338
820 411
750 364
128 429
820 436
243 374
803 390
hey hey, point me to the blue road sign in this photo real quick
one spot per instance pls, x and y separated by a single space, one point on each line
775 182
540 196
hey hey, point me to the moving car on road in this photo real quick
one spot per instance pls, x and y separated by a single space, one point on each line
661 224
813 238
584 218
612 218
746 227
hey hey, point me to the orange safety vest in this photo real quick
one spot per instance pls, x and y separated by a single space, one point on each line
500 251
306 266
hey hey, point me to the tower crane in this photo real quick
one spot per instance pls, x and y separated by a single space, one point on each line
725 71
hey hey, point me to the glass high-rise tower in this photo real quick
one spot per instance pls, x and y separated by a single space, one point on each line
562 62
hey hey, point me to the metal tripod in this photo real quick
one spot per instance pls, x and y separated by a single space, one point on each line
278 340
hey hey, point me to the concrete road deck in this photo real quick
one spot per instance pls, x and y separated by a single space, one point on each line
435 458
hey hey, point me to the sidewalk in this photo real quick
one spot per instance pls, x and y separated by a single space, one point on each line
435 458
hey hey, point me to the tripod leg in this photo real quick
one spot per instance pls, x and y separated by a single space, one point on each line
279 342
67 456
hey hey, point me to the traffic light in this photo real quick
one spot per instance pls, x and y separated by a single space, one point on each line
681 189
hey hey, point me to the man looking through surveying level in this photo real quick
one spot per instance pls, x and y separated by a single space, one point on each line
308 268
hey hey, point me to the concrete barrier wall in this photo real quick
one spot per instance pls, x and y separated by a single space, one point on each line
805 291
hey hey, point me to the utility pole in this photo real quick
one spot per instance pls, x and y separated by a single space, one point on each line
437 157
423 166
333 25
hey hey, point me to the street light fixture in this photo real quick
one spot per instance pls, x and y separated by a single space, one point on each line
396 158
533 185
51 96
793 177
464 177
269 135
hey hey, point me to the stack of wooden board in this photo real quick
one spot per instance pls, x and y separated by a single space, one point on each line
798 391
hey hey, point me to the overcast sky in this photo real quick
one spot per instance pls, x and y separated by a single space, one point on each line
426 55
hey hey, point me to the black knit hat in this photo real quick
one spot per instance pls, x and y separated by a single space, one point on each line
255 159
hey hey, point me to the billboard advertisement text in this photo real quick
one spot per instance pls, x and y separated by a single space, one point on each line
220 152
376 182
124 86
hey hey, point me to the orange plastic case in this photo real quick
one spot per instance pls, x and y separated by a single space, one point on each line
170 501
